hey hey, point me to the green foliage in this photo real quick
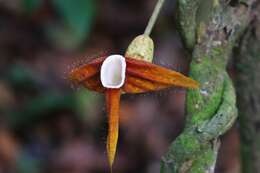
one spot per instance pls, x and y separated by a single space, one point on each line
85 102
27 164
21 78
43 103
39 107
73 23
30 6
77 18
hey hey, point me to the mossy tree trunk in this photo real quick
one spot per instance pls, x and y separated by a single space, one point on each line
210 29
248 94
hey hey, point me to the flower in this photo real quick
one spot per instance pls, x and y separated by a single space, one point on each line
116 74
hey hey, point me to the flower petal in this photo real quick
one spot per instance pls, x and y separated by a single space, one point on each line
89 75
112 102
84 72
155 77
135 84
94 83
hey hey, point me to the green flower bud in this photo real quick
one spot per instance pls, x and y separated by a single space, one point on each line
141 48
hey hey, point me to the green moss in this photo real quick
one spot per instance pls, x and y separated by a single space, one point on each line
204 162
189 142
204 11
187 10
201 31
202 104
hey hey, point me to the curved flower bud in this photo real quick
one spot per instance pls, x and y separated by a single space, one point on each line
141 48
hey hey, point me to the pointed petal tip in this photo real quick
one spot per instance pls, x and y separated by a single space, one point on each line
193 84
72 78
84 72
111 169
186 82
112 101
72 75
110 163
156 76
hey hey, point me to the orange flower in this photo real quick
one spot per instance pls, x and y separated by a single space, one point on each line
114 75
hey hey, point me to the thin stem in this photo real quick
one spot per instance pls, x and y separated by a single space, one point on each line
154 17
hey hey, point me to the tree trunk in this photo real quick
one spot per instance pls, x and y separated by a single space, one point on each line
210 29
248 93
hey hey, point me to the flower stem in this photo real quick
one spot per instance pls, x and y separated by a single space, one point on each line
154 17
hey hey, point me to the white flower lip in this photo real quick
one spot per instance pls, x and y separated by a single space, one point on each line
113 71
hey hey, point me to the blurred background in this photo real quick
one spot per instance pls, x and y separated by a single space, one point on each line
49 126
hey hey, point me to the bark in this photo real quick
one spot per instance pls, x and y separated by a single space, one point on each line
210 29
248 93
